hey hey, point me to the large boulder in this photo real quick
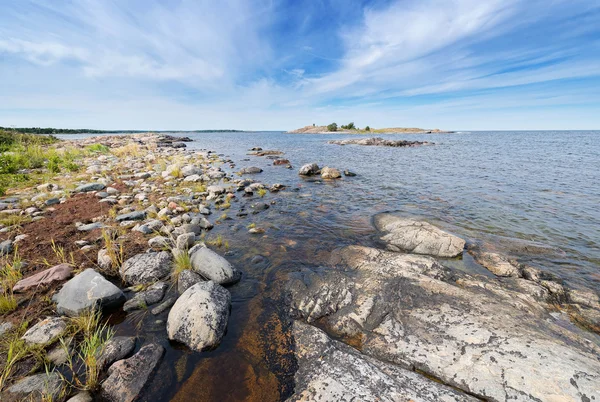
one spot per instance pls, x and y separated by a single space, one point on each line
199 317
413 236
87 291
212 266
146 267
47 277
330 173
330 370
477 334
127 378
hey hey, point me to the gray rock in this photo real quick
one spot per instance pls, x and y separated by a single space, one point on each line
90 226
150 296
87 291
146 268
471 333
118 348
190 170
132 216
164 305
185 241
38 387
191 228
199 317
215 189
329 370
205 223
83 396
496 263
160 243
104 260
309 169
212 266
6 247
330 173
5 327
149 227
85 188
187 279
251 170
410 235
127 378
45 331
52 201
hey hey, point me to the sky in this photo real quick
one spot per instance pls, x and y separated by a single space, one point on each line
279 65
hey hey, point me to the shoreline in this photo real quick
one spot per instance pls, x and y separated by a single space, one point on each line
116 189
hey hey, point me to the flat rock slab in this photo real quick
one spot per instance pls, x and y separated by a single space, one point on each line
47 277
146 268
199 317
418 237
131 216
87 291
38 387
127 378
329 370
212 266
472 333
45 331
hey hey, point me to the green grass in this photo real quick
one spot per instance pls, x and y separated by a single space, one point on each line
98 149
181 263
261 192
15 349
8 303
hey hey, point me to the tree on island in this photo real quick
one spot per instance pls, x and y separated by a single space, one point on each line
349 126
367 128
332 127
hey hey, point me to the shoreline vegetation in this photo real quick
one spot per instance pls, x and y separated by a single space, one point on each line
350 128
49 130
111 229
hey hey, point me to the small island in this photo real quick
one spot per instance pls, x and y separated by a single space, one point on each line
350 128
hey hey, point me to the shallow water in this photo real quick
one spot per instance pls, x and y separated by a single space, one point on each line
534 195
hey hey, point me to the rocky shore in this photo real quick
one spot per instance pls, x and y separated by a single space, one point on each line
380 142
129 235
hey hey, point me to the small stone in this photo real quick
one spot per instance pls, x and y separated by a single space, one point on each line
185 241
309 169
330 173
118 348
45 331
132 216
84 188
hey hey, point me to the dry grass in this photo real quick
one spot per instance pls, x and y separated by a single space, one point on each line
181 263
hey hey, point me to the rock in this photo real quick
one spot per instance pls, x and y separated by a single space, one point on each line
90 226
118 348
57 273
410 235
212 266
199 317
127 378
330 173
5 327
348 173
309 169
191 228
149 227
190 170
85 188
45 331
164 305
205 223
6 247
160 243
87 291
146 268
52 201
329 370
187 279
251 170
104 260
471 333
279 162
215 189
185 241
38 387
496 263
83 396
150 296
131 216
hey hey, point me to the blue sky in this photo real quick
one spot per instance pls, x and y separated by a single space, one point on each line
269 65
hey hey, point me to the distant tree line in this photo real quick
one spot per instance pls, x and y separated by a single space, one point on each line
349 126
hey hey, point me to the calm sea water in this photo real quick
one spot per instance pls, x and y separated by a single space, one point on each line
534 195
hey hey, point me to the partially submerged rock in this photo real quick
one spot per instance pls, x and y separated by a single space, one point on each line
127 378
85 292
146 268
380 142
212 266
38 387
413 236
471 333
119 347
199 317
309 169
330 370
330 173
